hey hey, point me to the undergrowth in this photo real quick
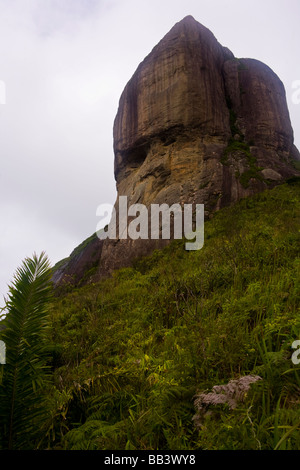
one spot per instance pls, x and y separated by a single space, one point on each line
130 353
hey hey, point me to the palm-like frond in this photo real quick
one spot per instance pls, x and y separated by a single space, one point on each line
24 373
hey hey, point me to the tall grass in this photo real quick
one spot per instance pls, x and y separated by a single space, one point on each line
130 353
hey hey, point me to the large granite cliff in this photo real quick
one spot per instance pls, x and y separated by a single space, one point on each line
194 125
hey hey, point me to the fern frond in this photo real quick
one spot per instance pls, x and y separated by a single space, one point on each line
25 369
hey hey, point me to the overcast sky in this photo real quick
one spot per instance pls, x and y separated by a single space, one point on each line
63 66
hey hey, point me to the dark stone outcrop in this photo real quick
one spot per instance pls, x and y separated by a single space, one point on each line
80 266
196 125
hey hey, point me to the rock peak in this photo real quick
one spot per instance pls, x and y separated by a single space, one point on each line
188 27
187 20
190 21
179 83
195 125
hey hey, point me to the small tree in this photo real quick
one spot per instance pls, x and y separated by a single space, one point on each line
24 373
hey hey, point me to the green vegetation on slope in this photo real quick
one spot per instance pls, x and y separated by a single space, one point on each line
129 354
75 252
24 376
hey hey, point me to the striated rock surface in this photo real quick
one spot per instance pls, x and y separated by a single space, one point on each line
197 125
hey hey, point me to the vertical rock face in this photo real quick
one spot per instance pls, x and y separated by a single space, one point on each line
178 87
197 125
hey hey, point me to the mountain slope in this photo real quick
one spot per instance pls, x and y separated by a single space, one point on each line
130 352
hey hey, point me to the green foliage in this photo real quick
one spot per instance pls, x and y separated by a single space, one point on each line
130 353
24 376
236 147
232 119
75 252
296 164
83 245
